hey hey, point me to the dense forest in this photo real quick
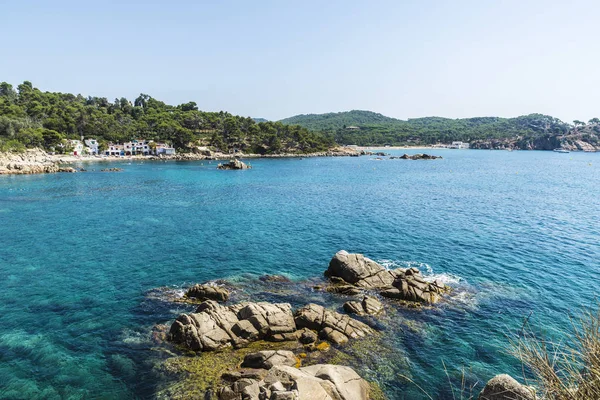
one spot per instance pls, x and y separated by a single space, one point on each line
368 128
32 118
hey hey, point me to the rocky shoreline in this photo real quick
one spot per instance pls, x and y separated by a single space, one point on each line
37 161
273 350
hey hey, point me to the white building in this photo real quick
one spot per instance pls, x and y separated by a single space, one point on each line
162 148
136 147
459 145
114 150
77 147
92 145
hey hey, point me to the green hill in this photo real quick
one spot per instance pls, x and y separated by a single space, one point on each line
333 121
528 131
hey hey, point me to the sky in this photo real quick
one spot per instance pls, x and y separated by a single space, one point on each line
275 59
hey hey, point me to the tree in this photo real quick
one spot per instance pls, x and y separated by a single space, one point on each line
594 121
7 91
578 123
191 106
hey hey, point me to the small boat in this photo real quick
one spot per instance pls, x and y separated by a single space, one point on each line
560 151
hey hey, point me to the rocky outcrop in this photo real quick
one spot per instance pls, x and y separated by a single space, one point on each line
419 156
234 164
505 387
32 161
332 326
207 292
321 381
362 272
213 326
359 270
367 306
67 169
579 139
411 286
111 170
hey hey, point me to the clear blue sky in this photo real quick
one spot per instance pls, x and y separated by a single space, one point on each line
275 59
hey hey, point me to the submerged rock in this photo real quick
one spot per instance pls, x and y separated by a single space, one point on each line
274 279
505 387
234 164
208 292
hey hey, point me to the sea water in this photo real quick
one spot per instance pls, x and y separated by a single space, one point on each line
516 233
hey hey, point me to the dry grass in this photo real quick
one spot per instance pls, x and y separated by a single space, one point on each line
564 371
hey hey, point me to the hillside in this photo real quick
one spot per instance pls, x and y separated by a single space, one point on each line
332 121
533 131
30 118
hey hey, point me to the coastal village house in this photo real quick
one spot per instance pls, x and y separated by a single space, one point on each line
77 147
459 145
92 146
139 147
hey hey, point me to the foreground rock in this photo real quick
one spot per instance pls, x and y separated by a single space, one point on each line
208 292
504 387
316 382
352 271
419 156
234 164
214 327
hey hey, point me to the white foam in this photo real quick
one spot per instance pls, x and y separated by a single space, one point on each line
447 279
426 270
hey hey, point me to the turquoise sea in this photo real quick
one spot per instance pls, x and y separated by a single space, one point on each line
516 233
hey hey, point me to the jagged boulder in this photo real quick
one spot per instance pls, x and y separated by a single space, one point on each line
234 164
214 326
359 271
355 271
419 156
306 336
505 387
411 286
208 292
321 381
369 305
272 321
331 325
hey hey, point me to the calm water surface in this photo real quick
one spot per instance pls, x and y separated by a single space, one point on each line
517 233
